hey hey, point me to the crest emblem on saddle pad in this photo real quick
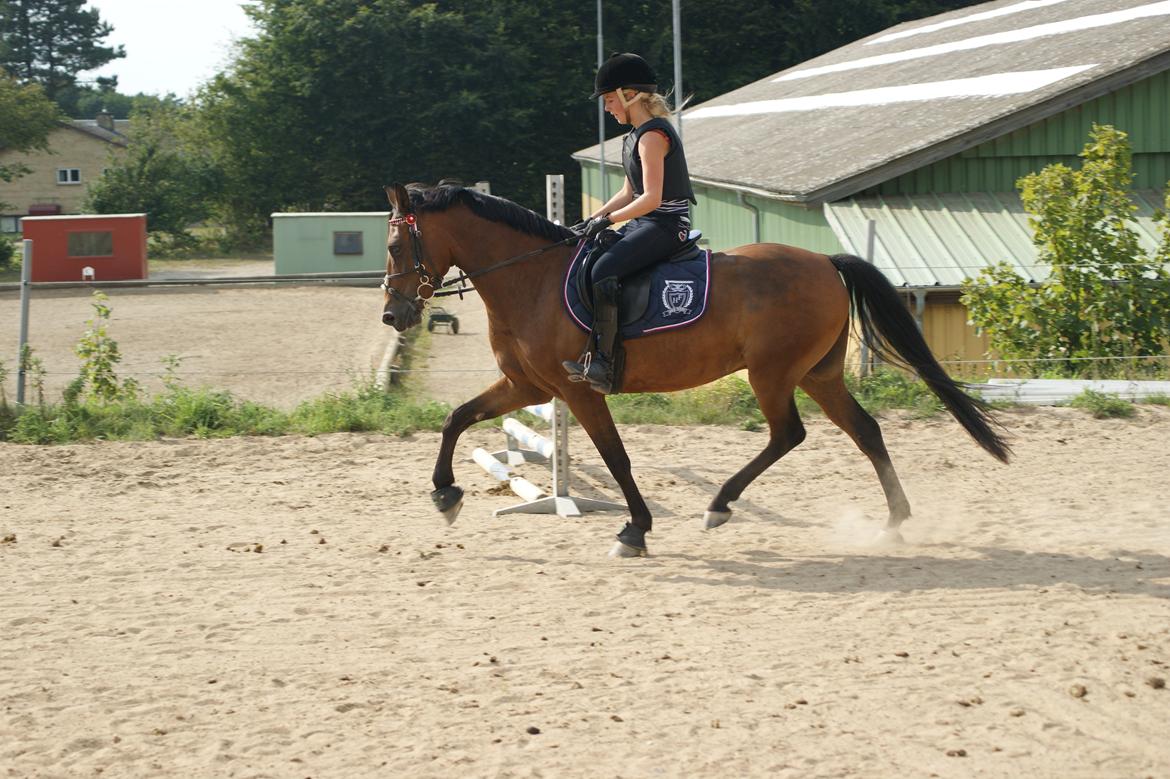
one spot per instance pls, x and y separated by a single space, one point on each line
677 297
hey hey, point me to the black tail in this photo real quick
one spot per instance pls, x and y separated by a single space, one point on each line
888 329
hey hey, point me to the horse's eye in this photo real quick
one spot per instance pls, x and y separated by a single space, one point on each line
394 250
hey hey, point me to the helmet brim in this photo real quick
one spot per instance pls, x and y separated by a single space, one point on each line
651 88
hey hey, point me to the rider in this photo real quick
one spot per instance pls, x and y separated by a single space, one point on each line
655 199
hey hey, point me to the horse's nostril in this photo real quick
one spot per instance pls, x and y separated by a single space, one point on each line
387 318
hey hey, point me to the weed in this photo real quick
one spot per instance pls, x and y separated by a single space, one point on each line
99 355
1102 405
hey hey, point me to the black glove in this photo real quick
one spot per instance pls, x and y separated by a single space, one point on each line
579 228
597 225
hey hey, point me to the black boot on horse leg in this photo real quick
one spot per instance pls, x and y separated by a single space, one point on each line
596 366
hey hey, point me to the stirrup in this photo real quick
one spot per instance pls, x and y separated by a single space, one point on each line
577 370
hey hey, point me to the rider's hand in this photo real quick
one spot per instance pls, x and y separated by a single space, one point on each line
596 225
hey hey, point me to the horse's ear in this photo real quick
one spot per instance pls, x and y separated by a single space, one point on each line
399 198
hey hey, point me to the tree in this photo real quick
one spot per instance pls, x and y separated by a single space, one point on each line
159 174
1105 299
26 118
332 99
49 42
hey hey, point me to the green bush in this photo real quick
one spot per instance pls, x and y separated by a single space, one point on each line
8 254
1105 297
1102 405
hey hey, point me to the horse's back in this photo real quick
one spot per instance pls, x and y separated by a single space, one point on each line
785 278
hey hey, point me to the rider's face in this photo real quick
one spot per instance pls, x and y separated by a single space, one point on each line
614 107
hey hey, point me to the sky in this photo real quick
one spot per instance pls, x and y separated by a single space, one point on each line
171 45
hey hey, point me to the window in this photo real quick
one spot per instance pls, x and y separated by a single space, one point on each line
9 224
68 175
95 244
347 242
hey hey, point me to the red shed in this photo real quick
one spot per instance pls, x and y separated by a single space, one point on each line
113 245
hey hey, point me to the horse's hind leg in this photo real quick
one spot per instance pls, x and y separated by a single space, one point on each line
786 431
501 397
842 408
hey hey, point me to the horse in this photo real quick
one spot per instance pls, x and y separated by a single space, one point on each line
783 313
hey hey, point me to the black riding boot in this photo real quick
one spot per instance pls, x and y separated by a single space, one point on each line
597 366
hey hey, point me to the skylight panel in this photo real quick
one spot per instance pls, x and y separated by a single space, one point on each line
1027 5
993 85
1009 36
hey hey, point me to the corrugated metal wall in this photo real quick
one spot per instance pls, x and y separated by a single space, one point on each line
725 222
1142 110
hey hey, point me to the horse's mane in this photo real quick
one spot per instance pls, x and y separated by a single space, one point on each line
495 209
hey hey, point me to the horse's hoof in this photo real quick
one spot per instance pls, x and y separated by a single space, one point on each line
713 519
624 550
888 538
631 542
448 500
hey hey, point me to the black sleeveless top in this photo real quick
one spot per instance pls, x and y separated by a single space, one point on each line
676 180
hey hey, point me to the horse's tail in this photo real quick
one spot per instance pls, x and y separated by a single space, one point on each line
888 329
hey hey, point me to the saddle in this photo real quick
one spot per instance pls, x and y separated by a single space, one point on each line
635 295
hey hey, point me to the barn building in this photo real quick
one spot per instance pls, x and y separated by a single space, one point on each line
925 129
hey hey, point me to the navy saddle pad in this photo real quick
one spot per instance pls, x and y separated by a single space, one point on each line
668 295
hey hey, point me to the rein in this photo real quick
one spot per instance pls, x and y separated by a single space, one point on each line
427 288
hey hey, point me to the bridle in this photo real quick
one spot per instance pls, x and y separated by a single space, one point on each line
426 286
433 286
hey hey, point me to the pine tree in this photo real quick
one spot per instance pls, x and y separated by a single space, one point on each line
48 42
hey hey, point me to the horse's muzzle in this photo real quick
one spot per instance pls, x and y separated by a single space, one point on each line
401 315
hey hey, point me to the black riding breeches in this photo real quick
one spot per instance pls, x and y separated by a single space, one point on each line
643 242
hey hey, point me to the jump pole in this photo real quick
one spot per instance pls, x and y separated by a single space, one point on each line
25 281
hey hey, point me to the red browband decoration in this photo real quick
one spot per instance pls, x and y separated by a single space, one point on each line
409 219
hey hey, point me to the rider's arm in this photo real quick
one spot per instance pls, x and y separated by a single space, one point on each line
652 148
624 197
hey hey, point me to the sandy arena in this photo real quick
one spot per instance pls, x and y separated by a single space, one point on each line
295 607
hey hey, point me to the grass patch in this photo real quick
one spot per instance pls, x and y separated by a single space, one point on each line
888 389
730 401
183 412
1102 405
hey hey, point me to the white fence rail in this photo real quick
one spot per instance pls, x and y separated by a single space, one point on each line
1050 392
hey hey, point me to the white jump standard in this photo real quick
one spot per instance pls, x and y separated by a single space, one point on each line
526 445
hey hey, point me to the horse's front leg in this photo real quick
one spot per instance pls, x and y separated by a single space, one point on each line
503 396
593 415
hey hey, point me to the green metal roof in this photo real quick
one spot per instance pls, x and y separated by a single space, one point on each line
938 240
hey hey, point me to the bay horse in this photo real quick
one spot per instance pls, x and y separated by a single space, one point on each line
781 312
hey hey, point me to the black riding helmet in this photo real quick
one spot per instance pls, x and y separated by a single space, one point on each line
624 71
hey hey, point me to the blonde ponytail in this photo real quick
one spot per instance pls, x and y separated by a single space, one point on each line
655 103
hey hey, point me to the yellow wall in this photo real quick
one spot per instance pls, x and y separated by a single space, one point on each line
950 338
68 148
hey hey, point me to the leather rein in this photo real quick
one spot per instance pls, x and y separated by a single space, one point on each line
433 286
